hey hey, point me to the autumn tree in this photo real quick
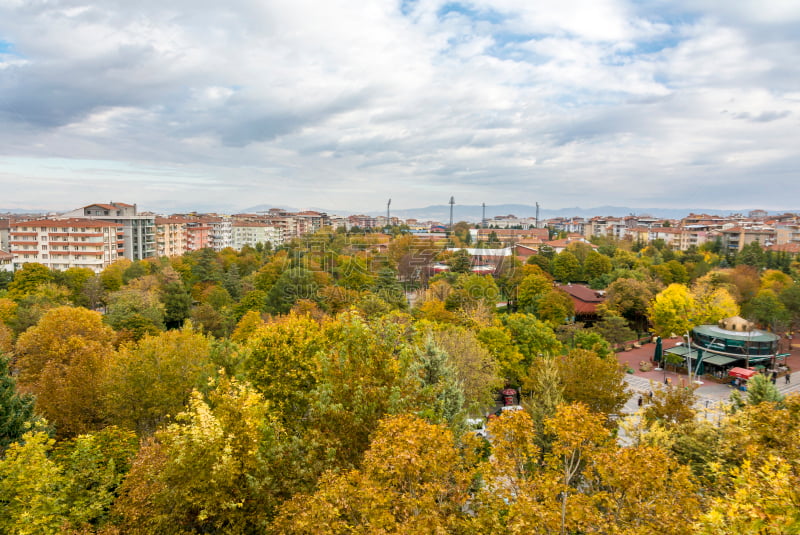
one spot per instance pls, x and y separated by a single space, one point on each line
30 484
63 360
597 382
413 480
179 359
673 311
218 468
476 370
27 279
280 361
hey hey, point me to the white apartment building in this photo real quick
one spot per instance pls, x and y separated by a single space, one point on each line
139 229
250 233
66 243
221 233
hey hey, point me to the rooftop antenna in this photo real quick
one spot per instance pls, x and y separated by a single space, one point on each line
452 202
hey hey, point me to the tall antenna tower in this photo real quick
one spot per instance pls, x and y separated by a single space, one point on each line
483 218
452 202
388 219
537 216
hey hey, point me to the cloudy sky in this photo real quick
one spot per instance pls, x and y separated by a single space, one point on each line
180 104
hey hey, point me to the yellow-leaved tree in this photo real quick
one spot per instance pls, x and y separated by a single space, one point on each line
63 360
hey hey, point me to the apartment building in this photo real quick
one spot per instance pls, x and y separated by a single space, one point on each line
6 261
735 238
612 227
221 232
66 243
5 228
252 232
170 236
198 235
510 222
139 230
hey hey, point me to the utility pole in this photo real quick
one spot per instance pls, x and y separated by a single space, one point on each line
452 202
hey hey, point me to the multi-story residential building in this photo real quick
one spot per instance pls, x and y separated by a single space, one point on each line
139 229
65 243
6 261
251 233
735 238
788 232
198 235
612 227
508 236
170 236
511 221
221 232
5 227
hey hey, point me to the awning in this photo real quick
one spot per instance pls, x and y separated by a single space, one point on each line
719 360
741 373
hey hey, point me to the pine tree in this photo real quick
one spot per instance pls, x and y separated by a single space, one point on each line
15 409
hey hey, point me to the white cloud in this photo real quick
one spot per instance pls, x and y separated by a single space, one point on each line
339 104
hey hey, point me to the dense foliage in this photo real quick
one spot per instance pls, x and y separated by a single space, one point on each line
328 387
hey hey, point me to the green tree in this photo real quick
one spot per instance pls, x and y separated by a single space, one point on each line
566 267
596 265
292 285
179 359
533 338
439 383
460 262
177 304
16 410
767 310
477 371
760 389
138 311
27 280
93 467
532 289
614 329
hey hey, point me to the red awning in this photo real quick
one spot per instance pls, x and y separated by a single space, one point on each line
741 373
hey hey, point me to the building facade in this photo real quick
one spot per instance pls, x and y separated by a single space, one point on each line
66 243
139 230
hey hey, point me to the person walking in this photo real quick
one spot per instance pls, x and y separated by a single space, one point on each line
788 378
640 401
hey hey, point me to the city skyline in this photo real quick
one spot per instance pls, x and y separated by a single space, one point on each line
207 106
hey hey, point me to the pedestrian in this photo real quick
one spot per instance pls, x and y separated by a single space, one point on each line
640 401
650 396
788 378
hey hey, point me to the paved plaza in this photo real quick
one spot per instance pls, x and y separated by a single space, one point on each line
710 395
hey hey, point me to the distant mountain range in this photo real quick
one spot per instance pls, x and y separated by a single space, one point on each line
461 212
474 212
